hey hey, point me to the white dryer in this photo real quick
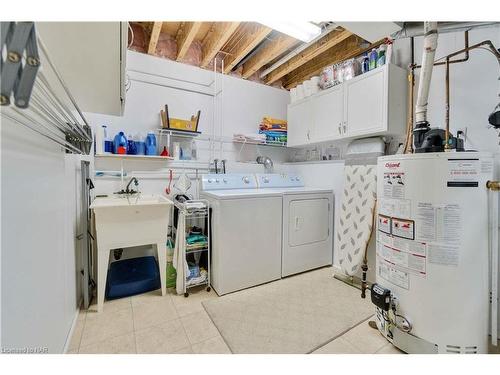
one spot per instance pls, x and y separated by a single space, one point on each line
307 223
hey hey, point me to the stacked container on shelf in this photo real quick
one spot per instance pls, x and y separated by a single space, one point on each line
121 144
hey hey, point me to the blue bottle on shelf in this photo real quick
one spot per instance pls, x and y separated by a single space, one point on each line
120 144
131 147
140 146
150 144
365 66
373 59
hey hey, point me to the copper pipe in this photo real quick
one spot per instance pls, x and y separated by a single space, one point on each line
408 149
364 266
482 44
493 185
466 50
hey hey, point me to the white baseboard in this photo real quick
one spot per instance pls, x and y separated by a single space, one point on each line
72 329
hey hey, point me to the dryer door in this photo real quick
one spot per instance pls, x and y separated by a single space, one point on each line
308 221
307 232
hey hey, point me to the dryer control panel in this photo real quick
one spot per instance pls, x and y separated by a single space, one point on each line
278 180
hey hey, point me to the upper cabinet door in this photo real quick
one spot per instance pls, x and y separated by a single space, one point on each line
366 104
299 123
328 110
91 58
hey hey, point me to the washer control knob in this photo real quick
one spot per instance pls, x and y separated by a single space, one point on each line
217 180
266 180
297 178
225 180
246 180
210 180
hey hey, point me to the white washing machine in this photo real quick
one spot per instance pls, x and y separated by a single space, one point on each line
307 223
246 231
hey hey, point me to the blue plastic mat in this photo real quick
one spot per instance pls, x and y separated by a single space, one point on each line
129 277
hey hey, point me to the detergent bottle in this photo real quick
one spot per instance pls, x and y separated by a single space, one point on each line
120 143
150 144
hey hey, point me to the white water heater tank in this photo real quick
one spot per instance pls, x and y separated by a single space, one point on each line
433 251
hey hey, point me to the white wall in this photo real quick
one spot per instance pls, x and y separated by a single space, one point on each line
474 85
240 105
40 260
239 108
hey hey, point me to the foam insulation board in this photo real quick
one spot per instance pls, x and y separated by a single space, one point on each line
372 31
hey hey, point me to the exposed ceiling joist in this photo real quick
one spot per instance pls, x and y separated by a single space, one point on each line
267 53
153 40
185 36
330 28
215 40
348 49
328 41
249 36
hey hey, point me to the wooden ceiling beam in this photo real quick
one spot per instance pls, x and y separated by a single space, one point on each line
328 41
185 36
346 50
215 40
252 35
267 53
153 40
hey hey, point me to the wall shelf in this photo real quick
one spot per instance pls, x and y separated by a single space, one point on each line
133 157
259 143
178 133
218 139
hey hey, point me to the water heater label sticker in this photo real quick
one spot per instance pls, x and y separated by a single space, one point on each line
449 223
394 185
414 247
403 228
426 222
385 239
487 166
446 255
384 224
393 275
411 262
395 207
463 169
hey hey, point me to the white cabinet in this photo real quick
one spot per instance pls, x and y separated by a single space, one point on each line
327 114
299 123
368 105
91 58
365 110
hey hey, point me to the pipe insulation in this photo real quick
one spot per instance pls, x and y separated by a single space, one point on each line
430 45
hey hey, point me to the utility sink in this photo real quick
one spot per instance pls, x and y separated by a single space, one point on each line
126 221
117 200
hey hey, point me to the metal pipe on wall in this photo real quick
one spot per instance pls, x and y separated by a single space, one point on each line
491 48
416 29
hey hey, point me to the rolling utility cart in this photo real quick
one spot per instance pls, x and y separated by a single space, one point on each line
193 222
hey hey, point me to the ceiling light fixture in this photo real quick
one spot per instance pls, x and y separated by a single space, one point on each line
304 31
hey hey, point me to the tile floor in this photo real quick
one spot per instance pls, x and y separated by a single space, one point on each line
150 323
